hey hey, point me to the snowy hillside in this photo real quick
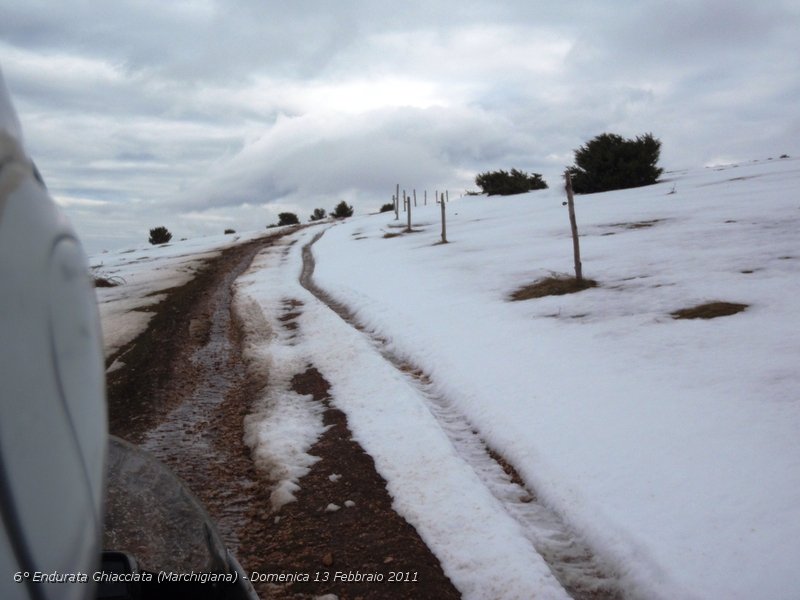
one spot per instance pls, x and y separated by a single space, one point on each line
668 447
671 445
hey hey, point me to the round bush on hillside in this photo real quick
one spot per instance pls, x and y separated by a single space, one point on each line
610 162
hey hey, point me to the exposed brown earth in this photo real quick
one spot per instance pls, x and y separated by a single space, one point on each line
709 310
183 393
552 286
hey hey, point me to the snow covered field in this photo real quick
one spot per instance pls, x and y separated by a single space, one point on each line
670 446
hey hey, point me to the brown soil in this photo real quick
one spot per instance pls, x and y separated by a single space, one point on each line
364 537
552 286
162 376
710 310
156 373
106 282
637 224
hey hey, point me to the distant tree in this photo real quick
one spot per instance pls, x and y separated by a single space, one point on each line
611 162
503 183
387 207
318 214
227 231
159 235
342 211
287 218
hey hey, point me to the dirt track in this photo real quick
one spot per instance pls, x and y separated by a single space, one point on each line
183 394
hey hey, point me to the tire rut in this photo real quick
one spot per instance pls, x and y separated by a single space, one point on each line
183 393
579 570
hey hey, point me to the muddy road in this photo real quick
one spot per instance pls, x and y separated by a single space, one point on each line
183 393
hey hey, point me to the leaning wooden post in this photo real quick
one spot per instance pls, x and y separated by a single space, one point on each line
576 248
397 203
444 222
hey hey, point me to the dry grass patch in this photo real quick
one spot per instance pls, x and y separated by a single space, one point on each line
552 286
637 224
398 234
709 310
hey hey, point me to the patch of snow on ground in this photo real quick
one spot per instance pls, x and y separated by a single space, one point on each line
284 425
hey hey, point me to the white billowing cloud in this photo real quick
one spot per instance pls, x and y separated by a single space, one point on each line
319 156
202 111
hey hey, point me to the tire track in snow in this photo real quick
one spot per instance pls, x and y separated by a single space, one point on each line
571 561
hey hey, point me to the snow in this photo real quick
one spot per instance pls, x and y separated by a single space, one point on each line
670 445
480 546
279 436
285 424
144 273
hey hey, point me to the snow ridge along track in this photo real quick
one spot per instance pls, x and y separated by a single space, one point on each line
574 565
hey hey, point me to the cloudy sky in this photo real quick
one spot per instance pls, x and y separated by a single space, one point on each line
206 114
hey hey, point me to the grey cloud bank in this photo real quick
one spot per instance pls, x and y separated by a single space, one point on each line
205 115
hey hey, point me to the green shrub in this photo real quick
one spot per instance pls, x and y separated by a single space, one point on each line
228 231
342 211
387 207
610 162
287 218
503 183
318 214
159 235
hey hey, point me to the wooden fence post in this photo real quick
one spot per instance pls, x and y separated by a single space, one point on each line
397 203
415 198
576 248
408 227
425 198
444 222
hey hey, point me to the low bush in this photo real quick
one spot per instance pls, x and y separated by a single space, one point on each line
503 183
610 162
287 218
342 211
159 235
318 214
